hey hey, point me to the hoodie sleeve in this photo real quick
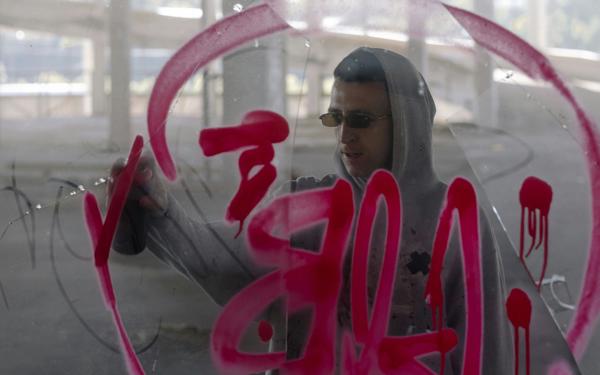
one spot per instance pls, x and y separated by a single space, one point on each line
206 253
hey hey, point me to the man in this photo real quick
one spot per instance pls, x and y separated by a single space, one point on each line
382 112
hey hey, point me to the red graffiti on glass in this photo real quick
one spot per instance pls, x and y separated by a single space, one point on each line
102 235
518 309
509 46
535 198
258 130
265 331
217 39
462 197
381 353
306 279
313 280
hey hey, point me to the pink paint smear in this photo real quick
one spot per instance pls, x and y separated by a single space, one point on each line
258 130
307 280
381 353
216 40
535 197
102 235
461 196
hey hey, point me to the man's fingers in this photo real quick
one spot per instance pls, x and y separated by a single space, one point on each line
117 167
143 176
146 168
149 202
146 161
115 171
147 188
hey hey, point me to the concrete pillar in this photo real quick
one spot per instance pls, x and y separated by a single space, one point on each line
120 123
254 78
315 83
94 65
2 76
485 90
99 102
313 97
209 99
536 17
417 48
209 14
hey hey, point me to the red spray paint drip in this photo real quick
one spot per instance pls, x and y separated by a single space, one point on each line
217 39
520 53
535 198
259 129
102 235
265 331
461 196
518 308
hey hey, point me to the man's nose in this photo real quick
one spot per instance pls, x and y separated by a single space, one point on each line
346 133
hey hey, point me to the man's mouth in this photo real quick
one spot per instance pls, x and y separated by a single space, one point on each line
352 155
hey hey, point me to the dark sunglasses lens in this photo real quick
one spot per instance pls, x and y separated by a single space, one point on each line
358 121
330 120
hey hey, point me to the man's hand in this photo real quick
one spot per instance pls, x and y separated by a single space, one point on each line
148 190
147 197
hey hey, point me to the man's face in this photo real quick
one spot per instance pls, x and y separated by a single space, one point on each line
363 150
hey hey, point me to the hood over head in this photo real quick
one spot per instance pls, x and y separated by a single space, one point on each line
413 110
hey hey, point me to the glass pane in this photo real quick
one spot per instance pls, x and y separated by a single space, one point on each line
222 105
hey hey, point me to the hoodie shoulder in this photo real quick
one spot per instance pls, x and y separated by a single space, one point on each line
306 183
310 182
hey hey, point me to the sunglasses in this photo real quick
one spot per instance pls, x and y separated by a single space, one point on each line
356 120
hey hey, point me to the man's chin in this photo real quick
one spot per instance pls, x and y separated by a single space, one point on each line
356 173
